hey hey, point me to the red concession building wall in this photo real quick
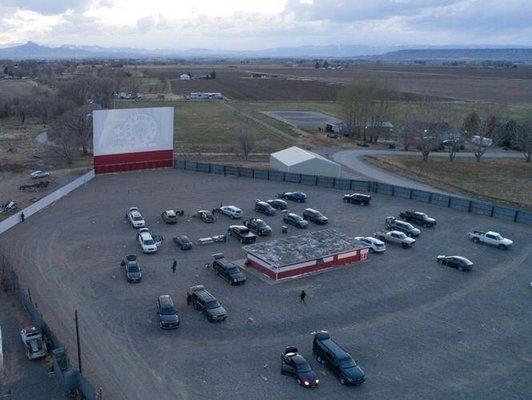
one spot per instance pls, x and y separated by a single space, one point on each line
289 271
134 138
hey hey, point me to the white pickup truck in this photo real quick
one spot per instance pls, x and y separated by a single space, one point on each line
490 237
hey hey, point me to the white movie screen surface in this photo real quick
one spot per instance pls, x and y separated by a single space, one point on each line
133 130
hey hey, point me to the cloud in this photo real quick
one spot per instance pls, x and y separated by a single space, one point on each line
351 11
47 7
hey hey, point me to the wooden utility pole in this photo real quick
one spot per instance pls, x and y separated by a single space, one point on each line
77 339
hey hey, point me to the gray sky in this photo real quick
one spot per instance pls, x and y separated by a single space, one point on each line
254 24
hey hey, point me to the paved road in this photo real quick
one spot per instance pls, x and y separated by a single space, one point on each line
353 161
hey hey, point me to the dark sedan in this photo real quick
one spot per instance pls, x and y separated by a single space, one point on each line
458 262
299 197
183 242
131 268
295 220
278 204
315 216
294 364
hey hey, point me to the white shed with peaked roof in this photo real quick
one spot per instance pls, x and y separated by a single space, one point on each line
300 161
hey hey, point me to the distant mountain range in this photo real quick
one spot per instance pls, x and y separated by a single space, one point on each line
31 50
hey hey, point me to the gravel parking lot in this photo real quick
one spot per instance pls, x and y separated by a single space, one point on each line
418 329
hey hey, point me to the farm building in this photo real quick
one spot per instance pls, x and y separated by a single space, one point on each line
303 254
184 77
299 161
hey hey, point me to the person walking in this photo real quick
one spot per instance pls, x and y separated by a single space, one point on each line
22 217
189 299
302 297
174 265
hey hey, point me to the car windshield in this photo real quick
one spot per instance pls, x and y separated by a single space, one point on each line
133 268
137 218
422 215
149 242
213 304
233 271
296 217
497 236
168 310
347 363
303 367
184 240
261 224
400 235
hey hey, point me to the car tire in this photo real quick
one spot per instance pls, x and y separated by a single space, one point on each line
343 381
405 246
371 250
502 247
476 240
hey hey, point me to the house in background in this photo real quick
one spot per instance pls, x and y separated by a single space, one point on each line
184 77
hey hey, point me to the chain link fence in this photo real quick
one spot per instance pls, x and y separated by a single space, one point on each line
456 203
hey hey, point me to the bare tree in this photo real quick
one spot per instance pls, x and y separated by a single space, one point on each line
523 139
246 139
79 123
489 136
366 103
65 143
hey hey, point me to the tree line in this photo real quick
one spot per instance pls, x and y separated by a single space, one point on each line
428 124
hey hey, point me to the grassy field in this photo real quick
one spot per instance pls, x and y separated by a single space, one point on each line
494 179
15 88
208 127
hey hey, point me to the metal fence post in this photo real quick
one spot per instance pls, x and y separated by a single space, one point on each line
430 197
449 202
284 176
492 210
411 192
469 206
516 215
393 191
268 175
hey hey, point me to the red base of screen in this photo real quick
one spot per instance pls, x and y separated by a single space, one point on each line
133 161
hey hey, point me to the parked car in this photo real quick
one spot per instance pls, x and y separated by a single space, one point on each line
264 208
202 300
315 216
131 268
395 237
168 318
294 364
231 211
146 242
242 233
34 343
339 361
375 245
258 226
394 224
491 238
183 242
228 270
169 217
295 220
278 204
357 198
206 216
135 217
39 174
461 263
417 217
299 197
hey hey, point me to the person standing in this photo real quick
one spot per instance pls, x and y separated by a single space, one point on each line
302 297
174 265
22 217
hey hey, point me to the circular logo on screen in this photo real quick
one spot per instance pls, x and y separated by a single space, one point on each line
142 129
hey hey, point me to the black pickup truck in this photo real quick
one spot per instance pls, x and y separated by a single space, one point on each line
242 233
418 218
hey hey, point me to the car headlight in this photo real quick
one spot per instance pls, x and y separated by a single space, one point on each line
306 383
317 381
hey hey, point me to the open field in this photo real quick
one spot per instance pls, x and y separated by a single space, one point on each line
506 86
208 126
494 179
14 88
418 329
